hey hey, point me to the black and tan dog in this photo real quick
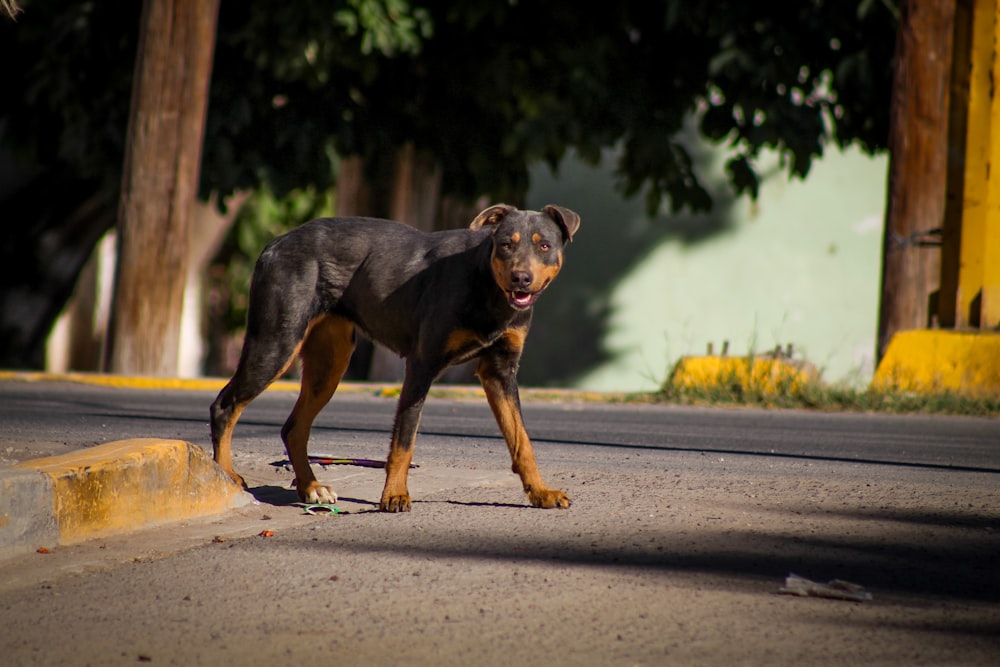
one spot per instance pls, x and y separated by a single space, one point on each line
435 298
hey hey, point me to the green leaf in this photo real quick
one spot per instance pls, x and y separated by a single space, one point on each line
743 176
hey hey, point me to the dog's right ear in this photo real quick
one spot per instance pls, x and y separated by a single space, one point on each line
491 216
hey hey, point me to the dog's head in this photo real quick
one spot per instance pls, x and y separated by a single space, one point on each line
527 248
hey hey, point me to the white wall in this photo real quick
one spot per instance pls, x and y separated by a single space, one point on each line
800 265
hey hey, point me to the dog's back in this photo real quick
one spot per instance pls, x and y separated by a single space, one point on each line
384 276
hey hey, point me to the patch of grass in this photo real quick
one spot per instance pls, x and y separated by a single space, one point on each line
814 394
757 382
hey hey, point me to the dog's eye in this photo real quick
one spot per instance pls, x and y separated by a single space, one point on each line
506 246
544 247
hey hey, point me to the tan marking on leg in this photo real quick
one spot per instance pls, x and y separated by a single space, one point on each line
395 495
522 454
325 352
223 450
222 445
419 375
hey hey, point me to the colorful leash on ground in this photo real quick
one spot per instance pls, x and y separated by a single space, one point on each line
318 508
347 461
323 460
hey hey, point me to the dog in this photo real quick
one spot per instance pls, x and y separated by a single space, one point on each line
436 299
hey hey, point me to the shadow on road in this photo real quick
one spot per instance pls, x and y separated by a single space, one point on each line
958 564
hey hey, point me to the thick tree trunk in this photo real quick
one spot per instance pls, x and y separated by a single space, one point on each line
416 190
407 189
160 183
353 190
918 141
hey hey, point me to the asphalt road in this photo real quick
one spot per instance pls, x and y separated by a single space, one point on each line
684 525
47 418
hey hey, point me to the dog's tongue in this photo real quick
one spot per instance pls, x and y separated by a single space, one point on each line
523 299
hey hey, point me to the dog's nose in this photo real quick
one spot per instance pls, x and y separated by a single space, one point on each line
520 279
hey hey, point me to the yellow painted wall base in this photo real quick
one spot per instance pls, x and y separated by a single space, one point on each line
931 361
763 374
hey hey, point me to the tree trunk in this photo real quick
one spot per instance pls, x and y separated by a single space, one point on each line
918 141
160 183
407 189
353 191
77 339
416 187
207 234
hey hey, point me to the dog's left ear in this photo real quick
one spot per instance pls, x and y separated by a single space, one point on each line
567 220
491 216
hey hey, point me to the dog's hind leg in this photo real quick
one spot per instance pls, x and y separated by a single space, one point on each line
253 375
265 357
325 355
223 415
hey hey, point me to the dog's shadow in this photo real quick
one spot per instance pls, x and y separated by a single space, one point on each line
479 504
280 496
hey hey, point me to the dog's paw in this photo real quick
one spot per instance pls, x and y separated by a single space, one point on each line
236 477
396 503
548 498
317 494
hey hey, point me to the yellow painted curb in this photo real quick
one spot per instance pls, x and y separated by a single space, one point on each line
933 361
133 381
764 374
130 484
382 390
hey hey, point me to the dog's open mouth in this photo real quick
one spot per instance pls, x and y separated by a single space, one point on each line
523 299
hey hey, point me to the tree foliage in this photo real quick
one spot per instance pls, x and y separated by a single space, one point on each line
488 88
68 70
501 86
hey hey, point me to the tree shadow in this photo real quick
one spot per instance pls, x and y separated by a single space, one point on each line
572 320
958 568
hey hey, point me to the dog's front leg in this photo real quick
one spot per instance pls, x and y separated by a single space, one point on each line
497 371
395 496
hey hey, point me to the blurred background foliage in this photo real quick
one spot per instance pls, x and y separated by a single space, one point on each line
487 89
260 219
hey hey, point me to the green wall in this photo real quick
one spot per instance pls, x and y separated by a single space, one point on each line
800 265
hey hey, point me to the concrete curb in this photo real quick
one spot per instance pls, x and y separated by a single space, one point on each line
27 521
108 489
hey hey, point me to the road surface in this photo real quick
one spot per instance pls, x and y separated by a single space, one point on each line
684 525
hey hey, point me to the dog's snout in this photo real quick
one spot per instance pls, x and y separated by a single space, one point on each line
521 279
